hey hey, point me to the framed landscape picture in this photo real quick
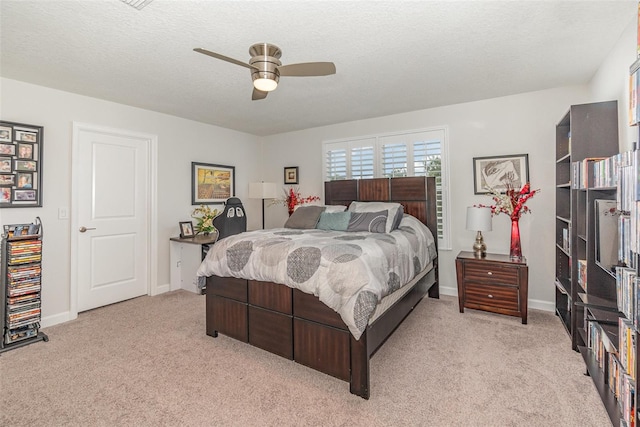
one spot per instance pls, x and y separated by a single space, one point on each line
211 183
20 165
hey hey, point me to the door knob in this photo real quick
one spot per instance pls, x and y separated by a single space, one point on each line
83 229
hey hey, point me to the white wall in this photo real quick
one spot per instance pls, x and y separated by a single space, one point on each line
180 142
509 125
612 82
522 123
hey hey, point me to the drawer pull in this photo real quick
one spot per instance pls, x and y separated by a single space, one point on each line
490 296
489 273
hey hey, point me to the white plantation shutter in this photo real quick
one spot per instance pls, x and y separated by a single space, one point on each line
412 153
362 162
394 159
336 164
349 159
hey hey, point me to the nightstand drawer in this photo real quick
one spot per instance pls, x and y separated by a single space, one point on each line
490 272
504 297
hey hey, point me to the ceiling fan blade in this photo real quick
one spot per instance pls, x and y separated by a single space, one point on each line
258 95
224 58
307 69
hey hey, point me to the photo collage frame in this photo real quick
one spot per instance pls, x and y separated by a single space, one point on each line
20 165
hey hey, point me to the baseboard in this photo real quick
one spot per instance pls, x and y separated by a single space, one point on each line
56 319
161 289
533 303
66 316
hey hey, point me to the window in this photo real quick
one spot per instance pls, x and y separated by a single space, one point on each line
411 153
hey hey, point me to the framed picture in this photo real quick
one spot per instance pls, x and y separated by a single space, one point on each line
7 150
25 165
24 195
606 233
6 132
27 136
291 175
25 151
211 183
25 180
7 179
5 195
20 165
5 164
499 171
186 229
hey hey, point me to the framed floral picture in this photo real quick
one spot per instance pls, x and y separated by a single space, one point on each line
211 183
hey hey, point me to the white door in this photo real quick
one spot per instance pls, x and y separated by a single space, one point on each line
111 208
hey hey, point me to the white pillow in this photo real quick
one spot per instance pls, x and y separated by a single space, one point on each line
391 208
328 208
334 208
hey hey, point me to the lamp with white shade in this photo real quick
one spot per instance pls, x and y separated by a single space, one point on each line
479 219
263 190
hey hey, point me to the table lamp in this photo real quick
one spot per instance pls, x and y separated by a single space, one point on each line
479 219
263 190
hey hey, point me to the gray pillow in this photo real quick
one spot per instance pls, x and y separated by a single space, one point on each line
338 221
391 207
305 217
397 218
374 222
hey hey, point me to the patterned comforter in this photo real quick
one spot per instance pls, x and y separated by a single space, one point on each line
348 271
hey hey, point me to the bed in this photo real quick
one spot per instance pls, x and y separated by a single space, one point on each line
296 324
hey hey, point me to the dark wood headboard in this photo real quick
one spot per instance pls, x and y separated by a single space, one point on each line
417 194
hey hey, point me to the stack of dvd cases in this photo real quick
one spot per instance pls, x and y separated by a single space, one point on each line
21 277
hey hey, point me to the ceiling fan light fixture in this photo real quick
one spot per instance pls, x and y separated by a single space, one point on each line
265 84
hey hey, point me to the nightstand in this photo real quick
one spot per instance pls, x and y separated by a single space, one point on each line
185 256
493 283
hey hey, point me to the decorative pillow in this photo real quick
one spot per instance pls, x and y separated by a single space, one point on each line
328 208
305 217
375 222
334 208
390 207
397 218
338 221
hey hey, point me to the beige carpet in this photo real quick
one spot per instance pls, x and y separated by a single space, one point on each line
148 362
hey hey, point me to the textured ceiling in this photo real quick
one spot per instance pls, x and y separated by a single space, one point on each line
391 57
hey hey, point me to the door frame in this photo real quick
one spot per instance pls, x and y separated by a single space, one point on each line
152 211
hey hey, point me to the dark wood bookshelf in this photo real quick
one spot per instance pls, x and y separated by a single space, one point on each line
598 377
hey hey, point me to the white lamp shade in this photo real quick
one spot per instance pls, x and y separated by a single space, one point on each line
263 190
478 219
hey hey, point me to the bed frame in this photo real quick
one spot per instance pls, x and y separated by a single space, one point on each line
296 325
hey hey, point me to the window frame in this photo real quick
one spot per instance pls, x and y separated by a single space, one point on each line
378 140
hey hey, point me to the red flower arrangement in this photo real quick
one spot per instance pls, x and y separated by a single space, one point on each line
293 198
512 202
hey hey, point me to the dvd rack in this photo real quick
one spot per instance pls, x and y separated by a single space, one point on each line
20 293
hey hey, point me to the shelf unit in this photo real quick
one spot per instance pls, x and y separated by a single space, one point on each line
605 296
585 131
20 285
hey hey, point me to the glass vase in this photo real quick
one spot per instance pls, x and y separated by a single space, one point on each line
515 250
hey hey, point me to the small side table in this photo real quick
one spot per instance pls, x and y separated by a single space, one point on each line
493 283
186 254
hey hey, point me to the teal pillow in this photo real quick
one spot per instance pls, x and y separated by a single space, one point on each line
338 221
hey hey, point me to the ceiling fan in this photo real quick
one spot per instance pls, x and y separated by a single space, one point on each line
266 67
